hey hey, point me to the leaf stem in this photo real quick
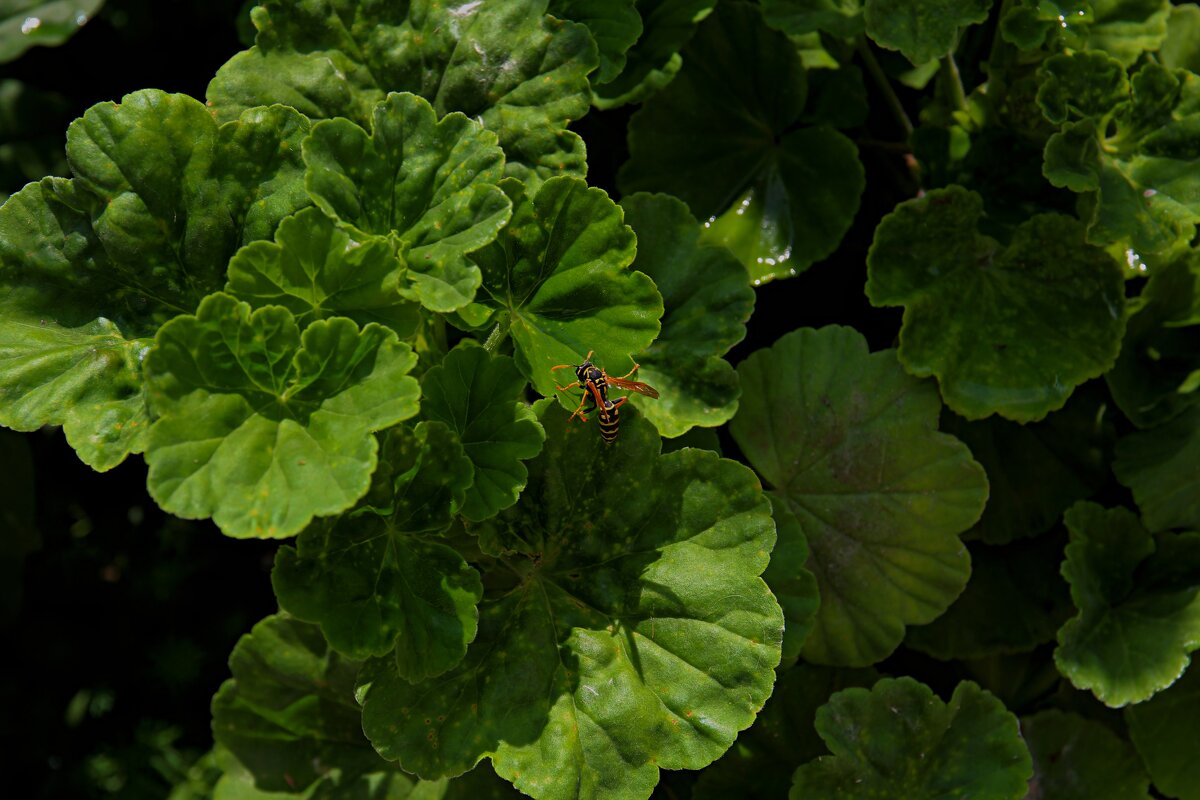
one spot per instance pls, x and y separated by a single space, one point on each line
498 334
885 86
954 83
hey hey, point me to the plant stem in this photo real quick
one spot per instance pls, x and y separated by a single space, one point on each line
885 86
954 83
498 334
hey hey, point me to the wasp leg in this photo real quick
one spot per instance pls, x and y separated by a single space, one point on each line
620 401
578 412
627 374
574 385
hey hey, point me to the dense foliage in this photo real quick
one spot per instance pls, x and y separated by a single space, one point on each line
847 552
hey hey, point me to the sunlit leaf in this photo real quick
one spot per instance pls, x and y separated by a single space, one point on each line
849 442
559 280
614 24
521 72
637 637
263 427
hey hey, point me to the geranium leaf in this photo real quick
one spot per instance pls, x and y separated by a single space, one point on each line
521 72
588 687
1077 759
477 395
91 267
373 584
1037 471
706 303
288 714
790 580
1081 85
1161 347
842 18
1164 730
1162 467
881 496
262 427
427 185
923 30
1181 48
1009 330
724 137
760 765
1014 601
1029 23
26 23
654 59
317 269
1134 630
898 740
1130 153
558 276
614 24
1126 28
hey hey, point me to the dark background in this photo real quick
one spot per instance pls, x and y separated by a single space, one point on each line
118 630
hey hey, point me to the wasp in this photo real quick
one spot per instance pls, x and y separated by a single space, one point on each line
595 382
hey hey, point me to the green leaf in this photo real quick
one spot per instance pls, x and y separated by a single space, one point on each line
1076 759
706 304
841 18
422 478
898 740
586 688
724 137
1126 28
1162 467
558 276
614 24
790 580
478 395
377 590
1037 471
1014 601
1009 331
521 73
1028 23
91 267
1134 161
1164 730
317 269
262 427
25 23
288 714
849 442
1138 612
922 30
1181 48
1080 85
1161 348
427 185
760 764
654 59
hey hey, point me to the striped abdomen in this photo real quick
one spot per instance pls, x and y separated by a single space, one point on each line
609 420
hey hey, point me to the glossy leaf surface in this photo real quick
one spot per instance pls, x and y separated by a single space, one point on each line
1162 467
898 740
1006 329
558 277
521 72
427 185
90 267
849 442
476 394
586 688
1139 616
724 137
26 23
706 303
263 427
317 269
1077 759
